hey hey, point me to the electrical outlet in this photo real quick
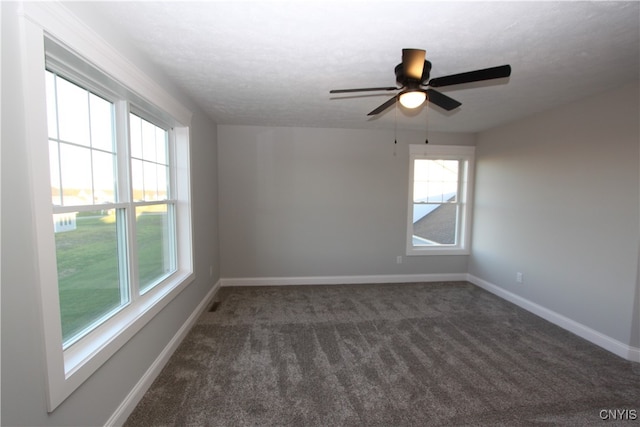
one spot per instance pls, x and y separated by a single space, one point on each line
399 259
519 277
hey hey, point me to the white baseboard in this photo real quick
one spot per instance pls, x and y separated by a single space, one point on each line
119 417
342 280
610 344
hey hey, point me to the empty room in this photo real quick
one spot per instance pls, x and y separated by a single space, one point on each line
230 213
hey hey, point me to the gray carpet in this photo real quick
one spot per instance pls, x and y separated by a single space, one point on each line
383 355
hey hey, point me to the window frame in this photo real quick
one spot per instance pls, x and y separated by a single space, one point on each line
93 63
464 204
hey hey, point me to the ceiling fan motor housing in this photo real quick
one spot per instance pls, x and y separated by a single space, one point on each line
404 81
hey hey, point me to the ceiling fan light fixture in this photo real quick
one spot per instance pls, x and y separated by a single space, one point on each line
412 99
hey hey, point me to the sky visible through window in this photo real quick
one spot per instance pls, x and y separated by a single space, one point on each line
435 181
83 154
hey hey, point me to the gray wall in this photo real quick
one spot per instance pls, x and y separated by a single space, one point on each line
23 372
557 198
319 202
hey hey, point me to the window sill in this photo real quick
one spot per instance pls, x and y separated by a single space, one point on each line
85 357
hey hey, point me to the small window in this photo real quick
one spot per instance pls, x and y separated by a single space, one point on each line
439 200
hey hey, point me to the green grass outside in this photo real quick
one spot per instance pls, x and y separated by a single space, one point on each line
88 276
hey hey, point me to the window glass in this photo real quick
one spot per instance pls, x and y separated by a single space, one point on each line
54 170
52 111
75 171
438 206
161 147
434 195
82 158
90 244
150 181
149 141
104 182
155 242
149 160
435 181
73 112
89 281
135 133
101 123
162 177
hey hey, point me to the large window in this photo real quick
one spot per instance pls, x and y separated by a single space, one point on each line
439 208
99 202
109 164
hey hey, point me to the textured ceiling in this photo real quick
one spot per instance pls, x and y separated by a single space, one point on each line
273 63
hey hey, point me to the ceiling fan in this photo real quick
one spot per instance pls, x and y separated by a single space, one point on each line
413 77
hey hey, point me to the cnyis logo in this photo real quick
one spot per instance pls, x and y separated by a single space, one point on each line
619 414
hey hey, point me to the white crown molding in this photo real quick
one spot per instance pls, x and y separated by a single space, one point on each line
62 25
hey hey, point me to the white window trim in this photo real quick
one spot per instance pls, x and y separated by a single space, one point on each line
447 152
67 370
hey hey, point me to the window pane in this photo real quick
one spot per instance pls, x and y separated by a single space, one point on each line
450 180
52 117
163 189
73 112
435 181
104 183
155 242
434 195
150 169
148 141
135 130
75 167
435 192
54 170
150 181
88 272
101 123
137 180
161 146
434 224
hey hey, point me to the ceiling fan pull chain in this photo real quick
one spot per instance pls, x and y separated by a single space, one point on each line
395 129
426 128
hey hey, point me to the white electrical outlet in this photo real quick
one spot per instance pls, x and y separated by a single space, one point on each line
399 259
519 277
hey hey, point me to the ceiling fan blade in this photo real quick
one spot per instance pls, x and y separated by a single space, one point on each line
442 100
413 63
367 89
472 76
383 107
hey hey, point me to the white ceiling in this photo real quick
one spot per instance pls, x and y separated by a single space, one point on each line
273 63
